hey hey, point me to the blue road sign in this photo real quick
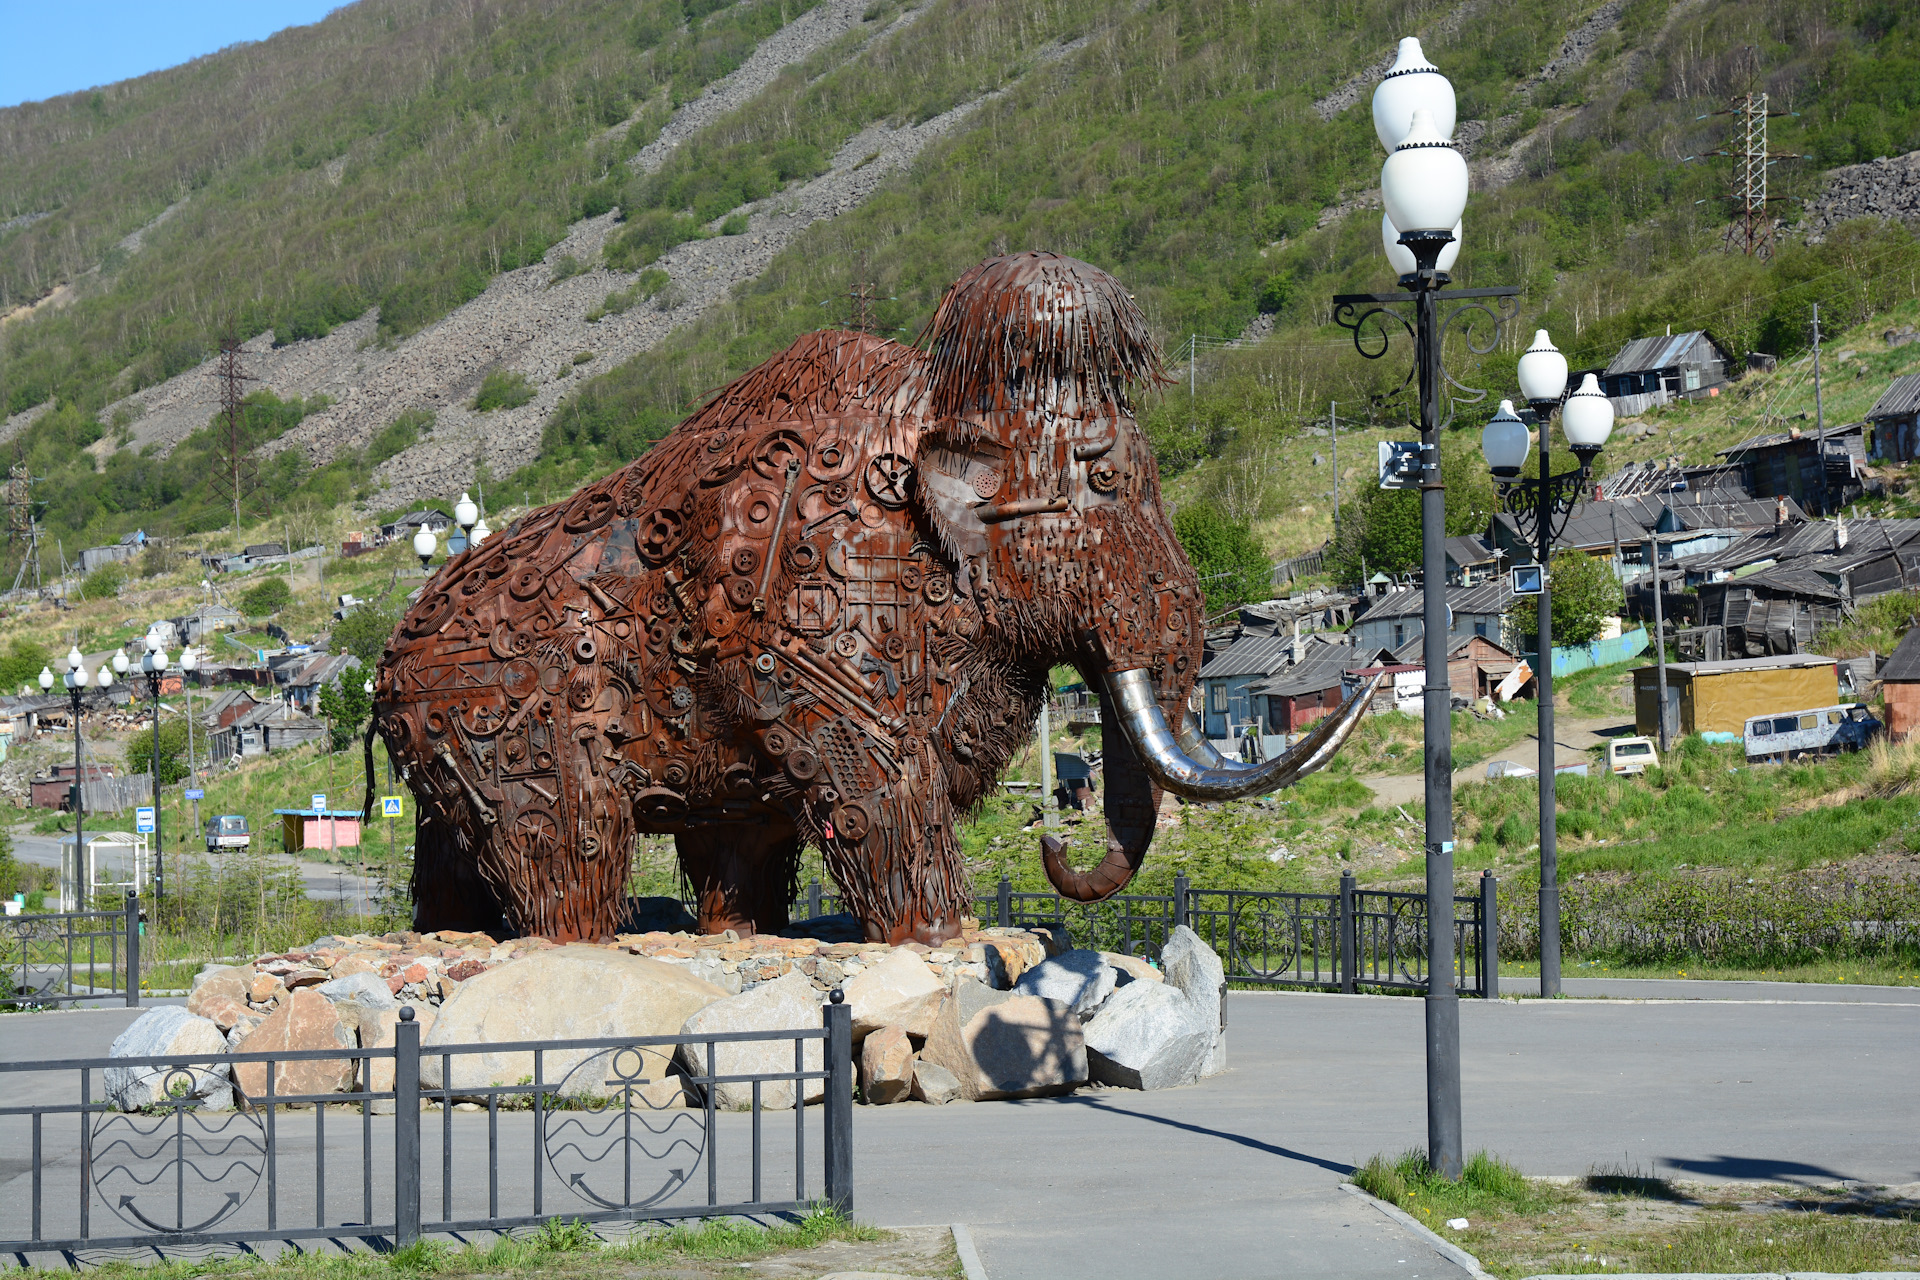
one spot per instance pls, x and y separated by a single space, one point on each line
143 820
389 806
195 793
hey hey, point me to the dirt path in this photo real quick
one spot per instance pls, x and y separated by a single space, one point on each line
1573 737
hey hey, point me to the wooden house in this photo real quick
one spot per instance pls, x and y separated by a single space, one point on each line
1895 418
1657 370
1900 682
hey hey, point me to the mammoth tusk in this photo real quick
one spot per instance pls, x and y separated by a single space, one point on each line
1178 771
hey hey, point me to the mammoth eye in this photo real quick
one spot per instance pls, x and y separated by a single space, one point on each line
1103 476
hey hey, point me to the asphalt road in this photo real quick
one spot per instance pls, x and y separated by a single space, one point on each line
324 881
1238 1176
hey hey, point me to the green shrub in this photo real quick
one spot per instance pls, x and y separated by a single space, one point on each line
648 235
173 748
104 582
735 225
399 435
502 389
270 595
645 286
566 267
582 357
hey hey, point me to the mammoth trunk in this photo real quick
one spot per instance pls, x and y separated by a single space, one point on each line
1131 805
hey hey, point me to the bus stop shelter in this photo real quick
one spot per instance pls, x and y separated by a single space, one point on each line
320 829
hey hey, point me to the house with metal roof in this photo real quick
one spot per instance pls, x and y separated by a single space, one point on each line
1658 370
1226 680
1470 559
1303 691
1895 418
1790 463
1900 682
431 519
1391 621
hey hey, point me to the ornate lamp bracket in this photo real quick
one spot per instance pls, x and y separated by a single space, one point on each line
1355 311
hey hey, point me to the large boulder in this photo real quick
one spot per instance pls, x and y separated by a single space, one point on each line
1132 967
1193 967
305 1020
1001 1045
1081 980
886 1066
169 1031
376 1032
358 997
565 993
898 991
788 1003
216 983
1148 1036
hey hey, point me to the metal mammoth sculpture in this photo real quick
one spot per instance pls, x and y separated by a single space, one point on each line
822 610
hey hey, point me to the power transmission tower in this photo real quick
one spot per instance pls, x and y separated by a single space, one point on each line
1752 228
21 526
233 470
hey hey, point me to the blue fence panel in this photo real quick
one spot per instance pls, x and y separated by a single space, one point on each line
1600 653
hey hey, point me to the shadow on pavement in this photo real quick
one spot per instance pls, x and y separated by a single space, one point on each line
1752 1169
1332 1166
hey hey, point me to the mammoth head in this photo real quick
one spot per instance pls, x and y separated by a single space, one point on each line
1038 480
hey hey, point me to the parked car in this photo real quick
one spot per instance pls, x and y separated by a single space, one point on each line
1816 731
1631 755
228 831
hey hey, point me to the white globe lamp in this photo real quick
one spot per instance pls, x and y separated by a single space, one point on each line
1587 420
424 544
1411 84
1504 443
1401 257
1424 186
1543 371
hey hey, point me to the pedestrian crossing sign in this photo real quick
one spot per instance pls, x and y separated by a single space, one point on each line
389 806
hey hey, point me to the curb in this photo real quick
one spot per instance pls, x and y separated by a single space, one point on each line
969 1256
1445 1248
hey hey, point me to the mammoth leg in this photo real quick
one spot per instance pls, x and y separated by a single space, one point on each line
742 875
568 884
448 890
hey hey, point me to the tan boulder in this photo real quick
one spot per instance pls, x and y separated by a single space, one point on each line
355 964
376 1032
788 1003
1000 1045
900 990
1134 965
223 1012
574 992
230 984
886 1066
266 988
305 1020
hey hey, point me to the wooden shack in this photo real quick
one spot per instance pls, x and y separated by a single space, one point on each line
1723 696
1900 681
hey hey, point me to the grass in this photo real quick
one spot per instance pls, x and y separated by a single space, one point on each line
559 1247
1864 971
1622 1218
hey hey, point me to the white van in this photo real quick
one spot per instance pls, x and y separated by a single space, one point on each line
1631 755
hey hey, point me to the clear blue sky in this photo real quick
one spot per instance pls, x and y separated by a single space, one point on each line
50 47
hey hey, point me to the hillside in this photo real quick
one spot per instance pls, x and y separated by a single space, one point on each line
403 204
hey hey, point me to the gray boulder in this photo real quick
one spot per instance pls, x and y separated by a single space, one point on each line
934 1083
1192 966
1148 1036
170 1031
1081 980
358 999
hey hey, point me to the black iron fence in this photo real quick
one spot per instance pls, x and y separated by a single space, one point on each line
239 1149
1267 938
68 956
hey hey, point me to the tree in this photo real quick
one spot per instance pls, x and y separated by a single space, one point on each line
269 596
104 582
22 664
1381 529
1233 568
364 632
173 747
1585 594
345 703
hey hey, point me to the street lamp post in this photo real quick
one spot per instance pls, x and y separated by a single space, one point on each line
189 663
1540 507
154 664
1424 188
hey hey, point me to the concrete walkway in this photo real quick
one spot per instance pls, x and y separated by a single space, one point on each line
1239 1176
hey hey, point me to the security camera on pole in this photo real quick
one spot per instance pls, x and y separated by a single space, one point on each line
1424 187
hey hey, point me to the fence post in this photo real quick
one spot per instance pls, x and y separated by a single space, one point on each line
838 1148
813 899
1349 937
1004 905
1489 937
1180 899
133 950
406 1129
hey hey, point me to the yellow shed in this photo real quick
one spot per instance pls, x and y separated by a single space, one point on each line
1723 695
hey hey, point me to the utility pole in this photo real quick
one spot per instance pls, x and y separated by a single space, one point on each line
1819 414
1660 643
1333 418
1752 229
232 470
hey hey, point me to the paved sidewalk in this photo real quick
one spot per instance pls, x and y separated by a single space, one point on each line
1697 989
1239 1176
